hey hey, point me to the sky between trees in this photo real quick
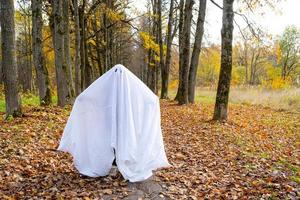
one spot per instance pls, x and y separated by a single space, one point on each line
271 20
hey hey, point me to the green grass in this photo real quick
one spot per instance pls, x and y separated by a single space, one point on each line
27 99
296 179
265 155
2 105
30 100
202 96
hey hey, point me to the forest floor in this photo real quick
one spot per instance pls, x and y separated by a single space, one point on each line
254 155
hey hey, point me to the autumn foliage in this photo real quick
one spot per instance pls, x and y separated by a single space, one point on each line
253 155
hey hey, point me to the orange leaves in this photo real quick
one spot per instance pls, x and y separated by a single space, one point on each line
223 160
179 156
107 191
238 159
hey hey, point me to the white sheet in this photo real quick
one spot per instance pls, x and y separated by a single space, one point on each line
116 112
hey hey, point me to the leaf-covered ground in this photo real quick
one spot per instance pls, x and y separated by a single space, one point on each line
255 155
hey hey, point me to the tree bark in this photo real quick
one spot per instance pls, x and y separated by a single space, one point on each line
183 96
196 51
105 38
152 63
82 46
1 72
38 57
77 50
158 35
180 41
66 39
12 98
61 68
165 70
98 43
246 61
88 67
221 105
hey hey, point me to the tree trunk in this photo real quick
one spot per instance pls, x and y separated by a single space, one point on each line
1 73
183 96
246 61
1 69
252 69
12 98
61 68
37 51
151 72
157 33
66 39
108 35
165 70
180 41
220 112
30 77
88 67
77 50
152 63
98 43
196 51
82 46
105 38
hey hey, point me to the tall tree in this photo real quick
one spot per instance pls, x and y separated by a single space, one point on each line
77 50
159 40
12 98
60 67
165 69
66 39
37 51
82 28
180 43
1 71
1 74
221 105
152 63
186 34
196 51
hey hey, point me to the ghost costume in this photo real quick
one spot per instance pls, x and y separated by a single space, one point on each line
116 117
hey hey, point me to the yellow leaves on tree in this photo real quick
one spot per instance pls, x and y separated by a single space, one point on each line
92 42
209 64
114 16
149 43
